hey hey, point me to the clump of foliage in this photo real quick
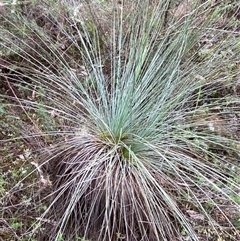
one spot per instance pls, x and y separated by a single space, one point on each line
137 114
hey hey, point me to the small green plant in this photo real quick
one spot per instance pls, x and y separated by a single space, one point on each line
236 198
139 126
16 225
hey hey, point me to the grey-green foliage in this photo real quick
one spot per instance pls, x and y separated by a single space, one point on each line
142 119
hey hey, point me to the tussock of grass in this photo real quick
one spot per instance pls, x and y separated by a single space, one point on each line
141 140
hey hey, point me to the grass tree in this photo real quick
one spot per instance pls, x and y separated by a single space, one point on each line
138 111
